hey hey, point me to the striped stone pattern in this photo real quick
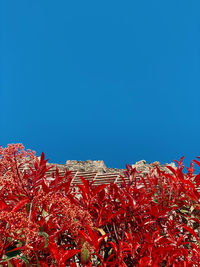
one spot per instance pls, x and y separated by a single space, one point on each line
97 177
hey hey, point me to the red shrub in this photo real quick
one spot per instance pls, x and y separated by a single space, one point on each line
151 221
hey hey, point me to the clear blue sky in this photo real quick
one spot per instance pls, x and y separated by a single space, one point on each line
111 80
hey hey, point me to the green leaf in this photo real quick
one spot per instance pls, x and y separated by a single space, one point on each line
85 253
46 236
184 211
25 260
12 252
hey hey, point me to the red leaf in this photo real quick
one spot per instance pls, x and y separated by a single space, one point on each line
197 162
181 159
44 264
20 204
158 239
55 182
86 186
197 179
191 231
114 215
85 236
114 246
98 189
82 188
189 183
53 249
67 186
195 247
17 248
101 196
42 158
179 163
45 187
93 238
171 169
3 205
68 254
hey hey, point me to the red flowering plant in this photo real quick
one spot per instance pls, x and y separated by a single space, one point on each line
152 220
39 224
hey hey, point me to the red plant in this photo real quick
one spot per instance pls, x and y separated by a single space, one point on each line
150 221
37 219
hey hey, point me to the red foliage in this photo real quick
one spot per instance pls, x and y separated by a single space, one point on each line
150 221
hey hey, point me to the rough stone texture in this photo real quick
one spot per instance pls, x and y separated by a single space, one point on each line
143 167
100 167
90 166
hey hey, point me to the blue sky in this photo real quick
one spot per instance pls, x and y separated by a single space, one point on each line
111 80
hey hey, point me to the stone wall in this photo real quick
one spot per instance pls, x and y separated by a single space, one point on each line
100 167
89 166
144 167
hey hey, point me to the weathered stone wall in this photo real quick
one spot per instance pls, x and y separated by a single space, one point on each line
144 167
100 167
86 166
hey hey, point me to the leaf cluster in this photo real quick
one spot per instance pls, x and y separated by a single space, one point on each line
152 220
